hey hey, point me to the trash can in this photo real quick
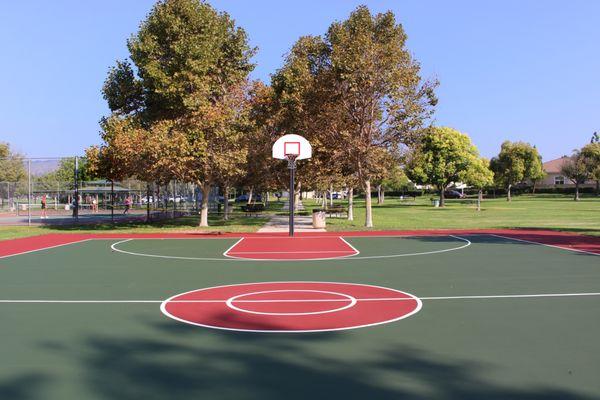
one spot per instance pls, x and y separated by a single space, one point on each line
318 218
436 203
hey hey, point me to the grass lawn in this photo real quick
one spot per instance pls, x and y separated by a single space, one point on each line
236 223
526 211
540 211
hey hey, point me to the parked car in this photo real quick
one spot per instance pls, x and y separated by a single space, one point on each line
453 194
244 198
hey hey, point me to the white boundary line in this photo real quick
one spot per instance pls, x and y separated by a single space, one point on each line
417 309
544 244
352 247
474 297
225 253
229 302
347 257
45 248
228 253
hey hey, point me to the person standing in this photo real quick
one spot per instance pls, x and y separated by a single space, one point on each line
44 215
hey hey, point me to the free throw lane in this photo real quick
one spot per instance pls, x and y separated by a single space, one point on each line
291 248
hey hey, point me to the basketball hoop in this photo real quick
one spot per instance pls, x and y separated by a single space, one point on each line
292 148
291 159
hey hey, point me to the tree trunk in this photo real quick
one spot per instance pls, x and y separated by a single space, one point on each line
368 208
250 194
331 195
379 201
226 202
324 199
351 204
297 192
204 210
534 185
479 198
267 198
598 187
576 191
442 196
382 194
147 202
508 198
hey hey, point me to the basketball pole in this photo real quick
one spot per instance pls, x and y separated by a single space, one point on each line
292 194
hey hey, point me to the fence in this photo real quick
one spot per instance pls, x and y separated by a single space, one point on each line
61 190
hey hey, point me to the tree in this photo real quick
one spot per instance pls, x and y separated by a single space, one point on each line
358 94
443 156
576 169
190 62
591 154
516 163
379 90
479 176
12 168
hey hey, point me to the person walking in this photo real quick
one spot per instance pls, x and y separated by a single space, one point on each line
127 204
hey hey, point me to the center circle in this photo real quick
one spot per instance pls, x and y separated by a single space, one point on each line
291 306
298 299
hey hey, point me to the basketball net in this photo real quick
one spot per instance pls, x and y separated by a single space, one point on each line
291 159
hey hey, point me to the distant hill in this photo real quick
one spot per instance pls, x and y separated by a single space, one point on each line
42 167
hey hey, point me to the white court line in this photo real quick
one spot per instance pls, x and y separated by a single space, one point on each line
352 247
544 244
226 252
230 257
474 297
233 255
45 248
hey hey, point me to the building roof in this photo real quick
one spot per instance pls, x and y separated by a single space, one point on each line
554 166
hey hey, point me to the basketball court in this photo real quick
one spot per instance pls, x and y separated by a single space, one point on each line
471 314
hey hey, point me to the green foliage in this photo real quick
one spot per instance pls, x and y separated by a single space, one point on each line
516 163
445 155
575 168
188 55
12 168
122 90
591 157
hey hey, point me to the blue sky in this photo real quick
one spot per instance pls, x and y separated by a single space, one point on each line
517 70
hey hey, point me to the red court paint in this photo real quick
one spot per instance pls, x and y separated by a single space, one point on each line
291 306
291 248
563 240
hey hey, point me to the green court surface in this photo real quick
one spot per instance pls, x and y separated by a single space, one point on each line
500 319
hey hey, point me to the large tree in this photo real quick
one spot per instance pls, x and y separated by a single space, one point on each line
591 154
443 156
516 163
479 176
357 93
576 169
12 168
189 64
380 92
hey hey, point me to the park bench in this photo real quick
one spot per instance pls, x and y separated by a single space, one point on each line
253 208
337 210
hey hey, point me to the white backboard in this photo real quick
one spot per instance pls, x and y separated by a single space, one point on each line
292 144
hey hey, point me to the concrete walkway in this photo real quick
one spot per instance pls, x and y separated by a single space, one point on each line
279 223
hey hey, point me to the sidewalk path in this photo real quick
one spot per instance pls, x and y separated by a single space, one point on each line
279 223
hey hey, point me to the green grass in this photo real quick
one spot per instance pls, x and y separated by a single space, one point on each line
540 211
555 212
236 223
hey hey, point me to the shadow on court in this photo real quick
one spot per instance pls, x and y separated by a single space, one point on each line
27 386
177 361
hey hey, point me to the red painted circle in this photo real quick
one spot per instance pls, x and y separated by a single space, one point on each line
291 306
